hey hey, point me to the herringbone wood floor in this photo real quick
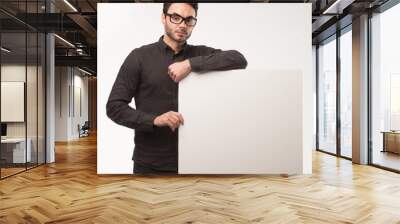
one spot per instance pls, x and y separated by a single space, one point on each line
70 191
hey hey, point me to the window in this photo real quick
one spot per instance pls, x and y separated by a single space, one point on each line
327 96
22 65
346 93
385 88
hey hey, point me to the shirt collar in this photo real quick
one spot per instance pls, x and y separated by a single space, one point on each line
164 46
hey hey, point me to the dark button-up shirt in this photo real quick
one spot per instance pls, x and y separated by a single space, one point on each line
144 77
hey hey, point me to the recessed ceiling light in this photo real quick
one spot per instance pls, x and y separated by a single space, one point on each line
64 40
337 7
70 5
5 50
84 71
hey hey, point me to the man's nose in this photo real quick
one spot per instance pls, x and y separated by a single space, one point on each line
183 24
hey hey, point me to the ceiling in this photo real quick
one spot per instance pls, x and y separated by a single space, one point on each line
76 22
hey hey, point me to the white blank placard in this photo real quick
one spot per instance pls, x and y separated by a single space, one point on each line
241 122
12 101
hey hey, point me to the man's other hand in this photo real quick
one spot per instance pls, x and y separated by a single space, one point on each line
171 119
179 70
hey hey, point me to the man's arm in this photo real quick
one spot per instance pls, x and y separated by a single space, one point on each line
123 90
211 59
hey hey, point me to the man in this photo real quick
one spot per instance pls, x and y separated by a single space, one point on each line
150 74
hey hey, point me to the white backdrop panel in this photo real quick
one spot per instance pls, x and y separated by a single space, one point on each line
269 39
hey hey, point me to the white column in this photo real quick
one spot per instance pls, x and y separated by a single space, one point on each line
360 90
50 93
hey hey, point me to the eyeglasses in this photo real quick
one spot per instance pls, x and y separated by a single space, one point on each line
177 19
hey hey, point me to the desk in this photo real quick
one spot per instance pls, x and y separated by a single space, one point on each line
13 150
391 141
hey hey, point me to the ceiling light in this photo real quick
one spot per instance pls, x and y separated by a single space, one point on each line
64 40
70 5
337 7
5 50
86 72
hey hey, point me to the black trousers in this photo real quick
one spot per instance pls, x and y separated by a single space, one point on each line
141 169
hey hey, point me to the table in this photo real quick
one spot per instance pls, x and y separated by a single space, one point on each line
391 141
13 150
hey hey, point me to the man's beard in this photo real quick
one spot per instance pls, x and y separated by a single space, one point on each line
170 34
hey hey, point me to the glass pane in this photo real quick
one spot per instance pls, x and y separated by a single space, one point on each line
41 98
23 88
31 101
13 86
327 97
386 89
346 93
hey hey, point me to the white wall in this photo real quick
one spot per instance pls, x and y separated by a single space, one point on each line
61 103
81 82
68 81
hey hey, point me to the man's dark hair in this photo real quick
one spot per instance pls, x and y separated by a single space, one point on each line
166 6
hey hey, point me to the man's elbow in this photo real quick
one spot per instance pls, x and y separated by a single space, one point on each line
109 110
241 60
243 63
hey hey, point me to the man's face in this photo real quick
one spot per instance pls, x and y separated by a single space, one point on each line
178 32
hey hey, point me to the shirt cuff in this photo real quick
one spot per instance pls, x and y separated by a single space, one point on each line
195 63
147 122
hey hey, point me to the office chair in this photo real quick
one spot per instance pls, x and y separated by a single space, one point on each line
84 130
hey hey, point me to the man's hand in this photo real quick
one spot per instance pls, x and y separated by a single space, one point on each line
179 70
172 119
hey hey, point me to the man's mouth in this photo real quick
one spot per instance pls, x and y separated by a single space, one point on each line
181 33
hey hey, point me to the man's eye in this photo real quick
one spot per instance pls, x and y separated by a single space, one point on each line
176 18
